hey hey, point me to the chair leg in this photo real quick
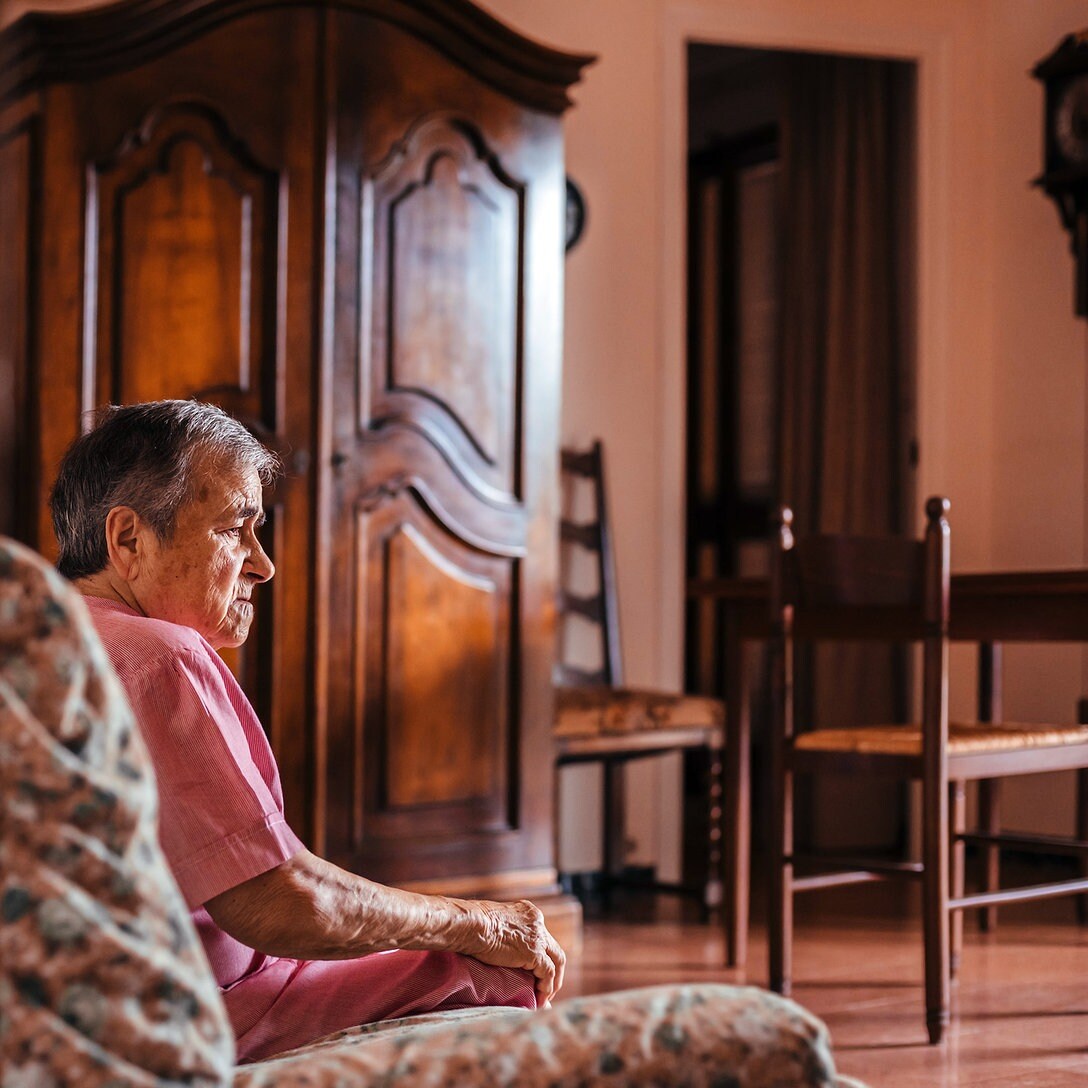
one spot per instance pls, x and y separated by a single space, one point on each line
1082 834
1082 817
557 772
935 914
736 802
957 805
936 971
714 888
780 907
702 867
989 822
780 911
990 709
613 831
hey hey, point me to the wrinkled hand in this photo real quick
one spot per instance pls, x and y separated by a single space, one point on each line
514 935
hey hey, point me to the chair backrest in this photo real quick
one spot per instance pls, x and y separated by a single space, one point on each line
584 528
852 588
828 586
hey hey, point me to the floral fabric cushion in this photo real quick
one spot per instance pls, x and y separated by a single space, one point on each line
720 1036
103 978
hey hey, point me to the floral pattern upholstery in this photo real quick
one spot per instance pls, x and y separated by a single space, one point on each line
104 979
104 983
720 1036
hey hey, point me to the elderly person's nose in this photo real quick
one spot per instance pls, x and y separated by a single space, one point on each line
258 566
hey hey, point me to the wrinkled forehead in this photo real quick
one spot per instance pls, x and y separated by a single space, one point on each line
222 486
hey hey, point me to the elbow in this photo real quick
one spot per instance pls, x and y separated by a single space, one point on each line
274 913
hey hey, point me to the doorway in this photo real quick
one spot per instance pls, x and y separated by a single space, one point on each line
801 371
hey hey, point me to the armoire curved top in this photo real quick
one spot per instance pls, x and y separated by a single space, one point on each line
50 47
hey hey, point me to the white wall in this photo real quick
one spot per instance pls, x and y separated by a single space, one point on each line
1039 361
1002 390
613 375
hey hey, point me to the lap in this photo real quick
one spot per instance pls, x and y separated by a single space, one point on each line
291 1002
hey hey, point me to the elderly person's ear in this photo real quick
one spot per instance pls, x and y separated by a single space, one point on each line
125 536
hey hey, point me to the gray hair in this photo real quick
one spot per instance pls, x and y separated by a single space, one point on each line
143 456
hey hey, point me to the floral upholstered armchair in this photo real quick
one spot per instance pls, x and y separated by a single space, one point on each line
104 982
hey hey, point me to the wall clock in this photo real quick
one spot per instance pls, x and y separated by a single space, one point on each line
1064 74
1071 121
575 215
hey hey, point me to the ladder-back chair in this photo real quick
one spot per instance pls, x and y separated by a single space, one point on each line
598 719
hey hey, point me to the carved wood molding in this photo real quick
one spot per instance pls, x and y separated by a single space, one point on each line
477 429
506 537
42 48
240 335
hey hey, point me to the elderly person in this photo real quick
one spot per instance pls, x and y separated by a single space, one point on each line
156 511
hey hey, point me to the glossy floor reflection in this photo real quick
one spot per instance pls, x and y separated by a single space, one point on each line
1020 1014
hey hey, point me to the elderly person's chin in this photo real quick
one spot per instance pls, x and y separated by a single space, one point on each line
223 628
234 629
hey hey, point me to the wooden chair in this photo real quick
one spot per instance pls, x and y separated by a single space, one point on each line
897 590
598 719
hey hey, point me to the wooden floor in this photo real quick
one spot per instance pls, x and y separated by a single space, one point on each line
1021 1003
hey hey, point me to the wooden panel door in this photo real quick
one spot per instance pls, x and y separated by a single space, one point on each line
177 222
442 504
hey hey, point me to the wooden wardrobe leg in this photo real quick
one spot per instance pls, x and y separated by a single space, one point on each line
957 805
989 822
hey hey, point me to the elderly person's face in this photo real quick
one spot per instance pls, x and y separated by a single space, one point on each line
205 576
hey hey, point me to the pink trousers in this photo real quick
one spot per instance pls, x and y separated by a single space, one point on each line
288 1003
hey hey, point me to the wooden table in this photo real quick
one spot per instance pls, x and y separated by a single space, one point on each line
985 607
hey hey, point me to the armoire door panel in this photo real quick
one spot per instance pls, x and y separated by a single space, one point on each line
181 265
178 250
440 652
428 749
448 193
180 288
18 163
443 224
177 222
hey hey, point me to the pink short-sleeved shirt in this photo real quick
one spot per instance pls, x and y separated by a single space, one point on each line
221 816
221 823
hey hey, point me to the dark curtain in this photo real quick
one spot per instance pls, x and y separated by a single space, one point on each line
847 366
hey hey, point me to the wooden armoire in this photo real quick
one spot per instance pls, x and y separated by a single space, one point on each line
343 221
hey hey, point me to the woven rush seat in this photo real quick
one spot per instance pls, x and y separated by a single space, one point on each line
594 711
963 738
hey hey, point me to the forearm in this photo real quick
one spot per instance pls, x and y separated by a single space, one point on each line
308 908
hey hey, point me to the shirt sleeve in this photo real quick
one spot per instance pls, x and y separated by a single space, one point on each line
220 822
